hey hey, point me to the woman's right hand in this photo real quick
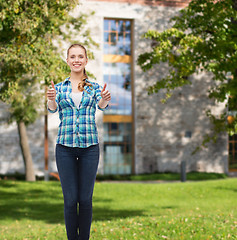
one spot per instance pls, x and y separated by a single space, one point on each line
51 93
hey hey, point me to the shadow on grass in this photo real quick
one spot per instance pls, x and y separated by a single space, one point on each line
101 214
45 203
168 207
227 189
35 204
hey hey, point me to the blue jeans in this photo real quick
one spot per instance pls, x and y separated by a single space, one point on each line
77 169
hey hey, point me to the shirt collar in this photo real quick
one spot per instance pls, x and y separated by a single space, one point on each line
68 79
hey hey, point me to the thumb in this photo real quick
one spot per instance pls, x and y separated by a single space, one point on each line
104 88
52 84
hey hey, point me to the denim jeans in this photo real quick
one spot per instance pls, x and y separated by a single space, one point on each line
77 169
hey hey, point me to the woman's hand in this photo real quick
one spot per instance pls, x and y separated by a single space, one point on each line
106 97
105 94
51 95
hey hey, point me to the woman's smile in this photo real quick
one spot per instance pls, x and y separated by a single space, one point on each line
77 59
76 65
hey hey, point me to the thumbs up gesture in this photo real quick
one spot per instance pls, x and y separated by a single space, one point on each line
105 94
51 93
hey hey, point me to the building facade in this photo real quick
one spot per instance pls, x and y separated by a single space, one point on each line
138 134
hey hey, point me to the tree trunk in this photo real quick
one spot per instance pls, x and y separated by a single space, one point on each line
25 149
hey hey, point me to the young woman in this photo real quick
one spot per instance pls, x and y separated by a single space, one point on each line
77 148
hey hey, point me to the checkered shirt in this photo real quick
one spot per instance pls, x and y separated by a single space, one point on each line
77 126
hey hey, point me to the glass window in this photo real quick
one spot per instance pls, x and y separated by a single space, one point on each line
117 32
106 25
117 148
233 152
118 78
117 74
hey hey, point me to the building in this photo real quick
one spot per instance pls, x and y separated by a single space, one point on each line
138 133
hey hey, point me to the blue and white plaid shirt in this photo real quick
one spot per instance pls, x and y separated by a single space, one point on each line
77 126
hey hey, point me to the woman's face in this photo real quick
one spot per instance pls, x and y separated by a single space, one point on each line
77 59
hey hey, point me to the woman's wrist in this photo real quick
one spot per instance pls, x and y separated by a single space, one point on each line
103 103
52 105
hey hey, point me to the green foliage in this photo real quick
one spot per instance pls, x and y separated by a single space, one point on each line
31 36
203 37
200 210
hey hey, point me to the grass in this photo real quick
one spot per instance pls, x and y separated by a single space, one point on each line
191 210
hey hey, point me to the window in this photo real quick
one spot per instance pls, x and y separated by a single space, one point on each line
233 153
117 37
117 72
118 77
117 148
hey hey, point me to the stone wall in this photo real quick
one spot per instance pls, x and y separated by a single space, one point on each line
167 134
11 160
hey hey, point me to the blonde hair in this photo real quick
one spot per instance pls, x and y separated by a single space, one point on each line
84 83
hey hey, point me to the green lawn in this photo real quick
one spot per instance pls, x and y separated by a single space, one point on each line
191 210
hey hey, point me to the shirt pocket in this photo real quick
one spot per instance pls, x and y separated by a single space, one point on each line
65 101
88 99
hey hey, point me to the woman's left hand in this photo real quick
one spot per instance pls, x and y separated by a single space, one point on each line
105 94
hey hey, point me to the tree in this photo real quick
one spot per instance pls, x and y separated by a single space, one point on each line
203 37
31 34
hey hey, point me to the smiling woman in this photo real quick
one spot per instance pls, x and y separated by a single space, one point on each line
77 149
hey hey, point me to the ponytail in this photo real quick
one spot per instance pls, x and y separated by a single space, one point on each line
84 83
